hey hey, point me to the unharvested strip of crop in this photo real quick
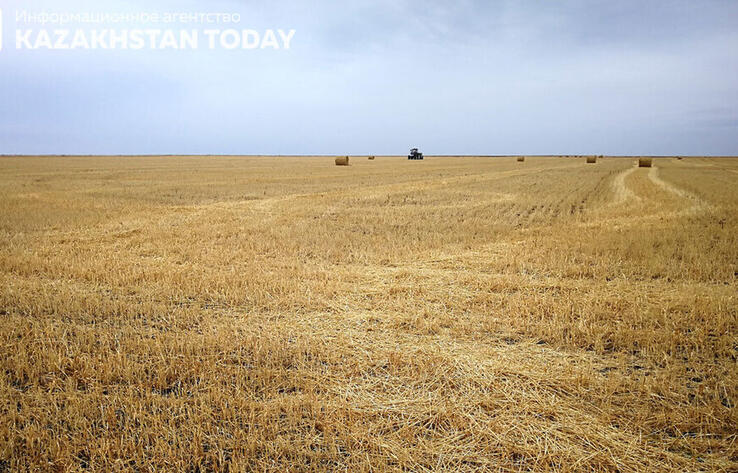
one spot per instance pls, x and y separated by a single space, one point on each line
279 314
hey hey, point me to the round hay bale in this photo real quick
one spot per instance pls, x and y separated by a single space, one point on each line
521 159
371 158
644 162
342 161
591 159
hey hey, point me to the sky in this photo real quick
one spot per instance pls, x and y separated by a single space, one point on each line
382 76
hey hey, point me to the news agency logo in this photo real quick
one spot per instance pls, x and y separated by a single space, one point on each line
142 30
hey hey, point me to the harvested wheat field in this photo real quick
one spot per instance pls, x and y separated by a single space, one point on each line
284 314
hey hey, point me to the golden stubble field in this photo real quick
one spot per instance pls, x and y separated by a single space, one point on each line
285 314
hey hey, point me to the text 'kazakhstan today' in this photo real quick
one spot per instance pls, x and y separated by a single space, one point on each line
112 38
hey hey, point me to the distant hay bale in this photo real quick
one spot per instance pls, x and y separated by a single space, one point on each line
371 158
644 162
521 159
591 159
342 161
679 157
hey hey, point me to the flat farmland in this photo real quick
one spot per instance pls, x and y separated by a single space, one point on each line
205 313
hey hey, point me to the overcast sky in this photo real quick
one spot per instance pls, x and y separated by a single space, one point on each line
463 77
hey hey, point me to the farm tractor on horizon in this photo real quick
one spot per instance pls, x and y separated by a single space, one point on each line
414 154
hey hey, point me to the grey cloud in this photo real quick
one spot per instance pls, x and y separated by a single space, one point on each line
376 76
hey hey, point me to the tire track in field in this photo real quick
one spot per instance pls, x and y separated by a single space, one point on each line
699 205
271 206
623 193
381 190
641 207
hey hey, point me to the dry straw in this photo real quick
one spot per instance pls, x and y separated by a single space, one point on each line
644 162
354 353
342 161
